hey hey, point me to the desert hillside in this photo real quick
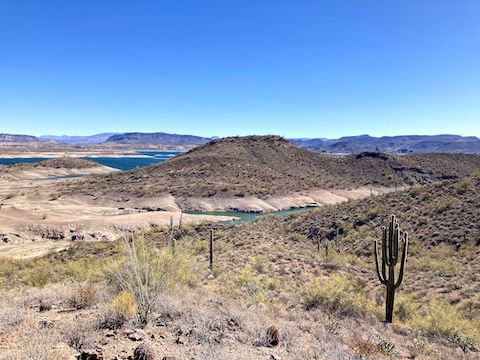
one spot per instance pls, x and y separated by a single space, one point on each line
270 165
276 290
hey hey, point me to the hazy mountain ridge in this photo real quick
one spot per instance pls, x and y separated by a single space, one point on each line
17 138
158 138
394 144
88 139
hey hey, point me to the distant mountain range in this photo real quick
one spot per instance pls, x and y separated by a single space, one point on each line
157 139
66 139
394 144
345 145
11 138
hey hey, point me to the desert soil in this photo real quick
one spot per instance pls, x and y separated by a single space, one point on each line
34 220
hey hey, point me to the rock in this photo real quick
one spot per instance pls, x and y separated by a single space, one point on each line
44 306
272 336
88 355
135 336
168 358
143 352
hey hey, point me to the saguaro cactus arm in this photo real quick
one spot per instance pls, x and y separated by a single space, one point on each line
381 276
404 259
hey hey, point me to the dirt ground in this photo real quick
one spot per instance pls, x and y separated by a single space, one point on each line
34 220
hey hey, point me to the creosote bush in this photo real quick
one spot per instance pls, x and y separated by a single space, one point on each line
439 318
338 293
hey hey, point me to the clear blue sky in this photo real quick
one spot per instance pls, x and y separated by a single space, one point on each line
296 68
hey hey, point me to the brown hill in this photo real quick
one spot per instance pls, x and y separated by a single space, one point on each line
441 219
271 165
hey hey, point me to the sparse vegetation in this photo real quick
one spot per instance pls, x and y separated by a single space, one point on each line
146 274
270 292
339 294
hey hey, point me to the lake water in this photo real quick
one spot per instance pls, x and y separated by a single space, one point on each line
244 217
120 163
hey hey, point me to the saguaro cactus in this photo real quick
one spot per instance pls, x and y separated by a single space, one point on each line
172 236
390 238
211 249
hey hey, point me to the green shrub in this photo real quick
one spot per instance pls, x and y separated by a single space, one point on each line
260 263
440 318
338 293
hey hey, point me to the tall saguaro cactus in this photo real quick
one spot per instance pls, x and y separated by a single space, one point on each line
211 249
386 273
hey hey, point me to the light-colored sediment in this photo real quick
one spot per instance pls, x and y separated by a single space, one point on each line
311 198
35 220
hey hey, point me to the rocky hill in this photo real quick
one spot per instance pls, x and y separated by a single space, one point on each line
160 138
395 144
270 165
11 138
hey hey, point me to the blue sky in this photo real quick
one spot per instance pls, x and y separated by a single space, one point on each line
296 68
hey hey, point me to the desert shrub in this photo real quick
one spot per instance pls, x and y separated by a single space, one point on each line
148 273
79 334
40 272
440 259
361 219
251 285
294 237
471 307
200 247
341 258
260 263
31 343
373 213
84 296
363 348
267 336
462 186
337 293
443 267
11 313
439 318
405 307
124 303
121 309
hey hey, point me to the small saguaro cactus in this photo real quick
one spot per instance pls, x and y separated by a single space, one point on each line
390 239
211 249
172 236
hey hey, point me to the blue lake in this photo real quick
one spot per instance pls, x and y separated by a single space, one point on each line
244 217
120 163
